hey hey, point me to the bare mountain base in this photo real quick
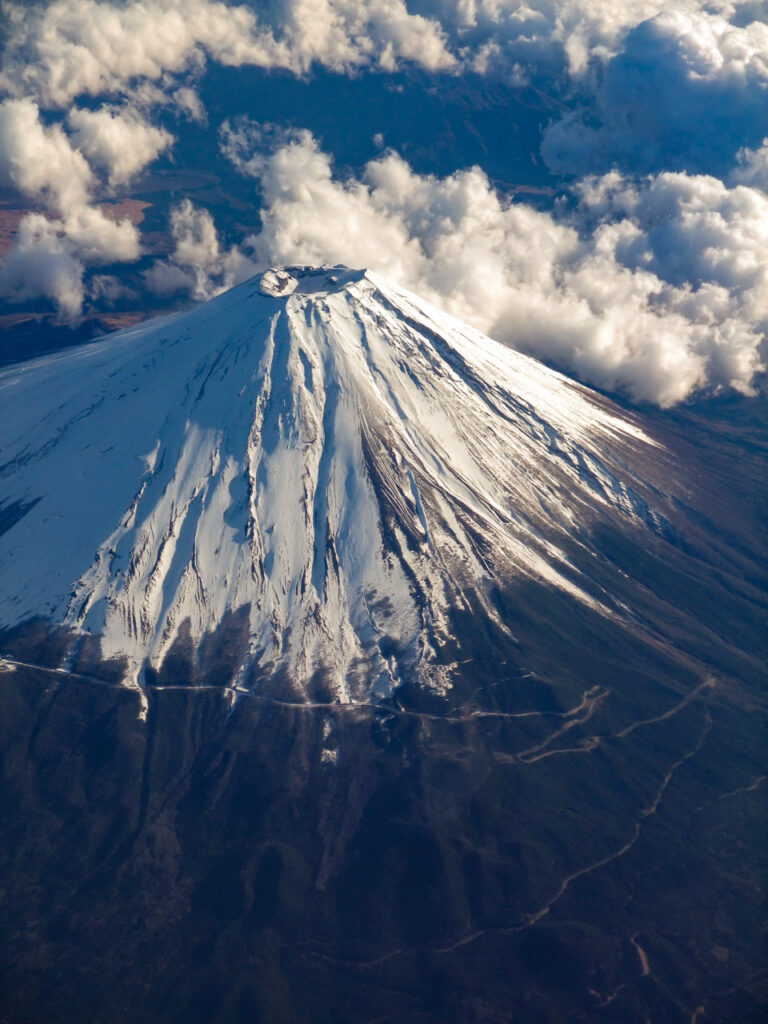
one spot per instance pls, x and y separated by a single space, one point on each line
562 837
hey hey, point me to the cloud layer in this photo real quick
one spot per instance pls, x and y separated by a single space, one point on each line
648 275
69 48
658 288
686 90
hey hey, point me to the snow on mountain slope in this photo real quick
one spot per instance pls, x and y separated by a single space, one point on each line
318 449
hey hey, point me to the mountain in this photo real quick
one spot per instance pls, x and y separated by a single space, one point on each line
323 462
358 667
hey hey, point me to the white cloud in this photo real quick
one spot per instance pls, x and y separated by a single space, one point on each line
40 161
528 38
188 102
120 141
106 289
344 34
655 87
685 90
658 303
752 167
99 239
695 231
49 257
167 278
661 292
49 254
199 265
70 48
43 262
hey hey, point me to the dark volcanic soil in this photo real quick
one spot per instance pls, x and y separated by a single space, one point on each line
575 833
564 838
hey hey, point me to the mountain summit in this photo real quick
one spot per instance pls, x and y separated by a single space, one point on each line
311 475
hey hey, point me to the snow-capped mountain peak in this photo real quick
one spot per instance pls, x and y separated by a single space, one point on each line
316 458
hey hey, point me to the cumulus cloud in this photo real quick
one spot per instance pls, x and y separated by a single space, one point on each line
40 161
752 167
99 239
344 34
529 37
58 51
43 262
199 265
653 87
69 48
120 141
250 145
656 288
49 254
187 101
685 91
107 289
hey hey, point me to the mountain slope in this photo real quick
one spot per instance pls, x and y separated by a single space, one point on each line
501 646
321 453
